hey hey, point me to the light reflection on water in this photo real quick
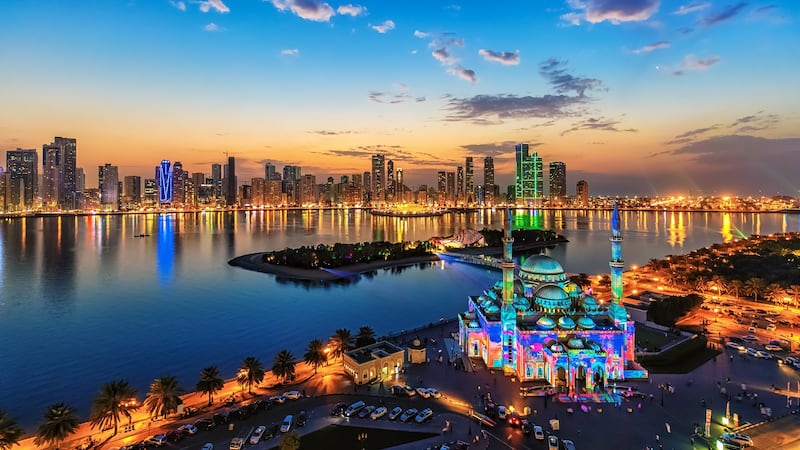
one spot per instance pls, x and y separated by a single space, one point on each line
85 300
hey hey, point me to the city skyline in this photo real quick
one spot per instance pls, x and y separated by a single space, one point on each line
637 97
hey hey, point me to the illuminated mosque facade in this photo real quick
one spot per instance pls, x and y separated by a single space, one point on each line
537 325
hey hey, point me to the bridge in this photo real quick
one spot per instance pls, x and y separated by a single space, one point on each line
476 260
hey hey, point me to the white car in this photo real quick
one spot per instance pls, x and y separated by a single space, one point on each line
763 354
773 348
408 414
256 436
395 413
378 413
157 440
749 337
538 433
771 327
292 395
279 399
434 393
423 392
735 345
287 424
188 429
737 438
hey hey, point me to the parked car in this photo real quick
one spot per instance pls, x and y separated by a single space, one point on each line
434 393
734 345
538 433
771 327
302 418
527 428
156 440
366 411
221 418
395 412
408 414
279 399
354 408
566 444
423 415
338 409
205 424
552 443
257 434
208 446
423 392
292 395
502 412
514 420
410 391
749 337
378 413
398 390
763 354
287 424
175 436
188 429
737 438
272 430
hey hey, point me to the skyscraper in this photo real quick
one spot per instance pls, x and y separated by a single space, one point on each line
582 193
69 157
178 184
230 182
378 178
451 187
528 177
23 165
558 182
216 180
470 181
51 176
108 182
165 179
400 188
291 176
132 188
460 184
270 173
390 188
488 181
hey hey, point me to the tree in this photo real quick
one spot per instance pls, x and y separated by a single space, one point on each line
114 401
775 293
10 432
251 372
719 283
210 382
341 342
284 365
794 291
365 336
164 396
753 287
735 287
315 355
59 422
290 442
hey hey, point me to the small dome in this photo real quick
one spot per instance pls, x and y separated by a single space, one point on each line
542 265
557 348
566 323
586 323
521 303
473 324
492 308
575 343
546 323
589 302
551 292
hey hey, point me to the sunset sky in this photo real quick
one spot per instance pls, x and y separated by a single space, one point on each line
640 97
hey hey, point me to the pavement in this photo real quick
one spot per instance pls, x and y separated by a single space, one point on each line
662 417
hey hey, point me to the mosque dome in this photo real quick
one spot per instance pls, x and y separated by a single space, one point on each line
586 323
521 303
566 323
551 292
541 268
589 303
552 298
575 343
546 323
492 308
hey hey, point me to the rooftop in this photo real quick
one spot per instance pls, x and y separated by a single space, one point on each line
374 351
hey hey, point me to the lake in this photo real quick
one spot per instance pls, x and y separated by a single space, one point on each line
90 299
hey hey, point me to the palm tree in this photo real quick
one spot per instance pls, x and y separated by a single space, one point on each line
365 336
341 342
164 396
720 284
794 291
251 372
735 287
284 365
59 422
10 432
753 287
315 354
114 401
210 382
775 293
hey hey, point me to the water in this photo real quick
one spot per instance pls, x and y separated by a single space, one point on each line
84 300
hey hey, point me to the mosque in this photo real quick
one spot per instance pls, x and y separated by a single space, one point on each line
537 325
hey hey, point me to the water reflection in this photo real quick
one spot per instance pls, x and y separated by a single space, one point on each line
165 249
58 262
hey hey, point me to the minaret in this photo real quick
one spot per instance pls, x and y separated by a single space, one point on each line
615 309
508 314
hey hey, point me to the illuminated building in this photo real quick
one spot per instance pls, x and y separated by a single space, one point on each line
164 177
558 181
538 325
528 176
582 193
376 361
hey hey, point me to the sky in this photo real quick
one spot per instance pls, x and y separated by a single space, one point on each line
637 97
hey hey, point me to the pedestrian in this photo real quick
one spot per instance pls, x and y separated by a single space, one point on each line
658 438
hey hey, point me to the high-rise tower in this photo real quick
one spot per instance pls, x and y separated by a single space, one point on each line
508 314
469 181
378 178
390 181
558 182
164 178
528 176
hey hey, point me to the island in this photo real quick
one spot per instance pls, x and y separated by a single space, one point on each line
343 261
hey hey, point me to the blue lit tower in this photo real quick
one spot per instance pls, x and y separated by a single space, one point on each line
616 310
508 314
164 177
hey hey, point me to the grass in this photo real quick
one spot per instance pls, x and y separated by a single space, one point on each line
336 437
652 339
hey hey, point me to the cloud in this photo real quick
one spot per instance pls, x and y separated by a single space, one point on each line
331 133
554 71
420 34
400 94
216 5
384 27
493 149
723 15
690 62
420 99
464 74
599 124
614 11
211 27
306 9
290 52
745 124
180 5
688 136
651 47
493 109
351 10
443 56
505 58
690 8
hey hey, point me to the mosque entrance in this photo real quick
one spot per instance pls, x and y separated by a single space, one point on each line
561 379
580 379
599 379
